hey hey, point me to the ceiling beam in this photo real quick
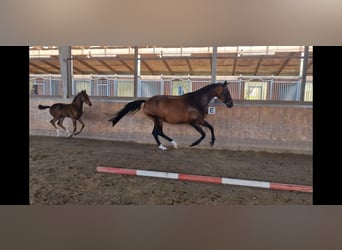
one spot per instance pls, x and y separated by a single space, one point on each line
108 66
284 64
189 66
147 66
89 66
39 67
51 65
234 65
258 66
218 57
167 66
127 66
77 70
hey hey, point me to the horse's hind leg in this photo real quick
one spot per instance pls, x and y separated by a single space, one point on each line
206 124
158 131
53 121
60 123
155 132
201 131
81 121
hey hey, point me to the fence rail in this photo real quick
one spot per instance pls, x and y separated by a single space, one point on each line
256 88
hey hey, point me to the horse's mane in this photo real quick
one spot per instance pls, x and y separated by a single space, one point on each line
76 96
204 89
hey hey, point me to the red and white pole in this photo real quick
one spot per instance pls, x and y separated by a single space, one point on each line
207 179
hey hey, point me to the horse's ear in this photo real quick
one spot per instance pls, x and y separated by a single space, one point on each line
225 83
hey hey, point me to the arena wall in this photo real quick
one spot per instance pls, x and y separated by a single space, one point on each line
262 127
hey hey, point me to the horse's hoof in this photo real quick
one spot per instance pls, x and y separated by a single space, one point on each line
195 143
162 147
174 144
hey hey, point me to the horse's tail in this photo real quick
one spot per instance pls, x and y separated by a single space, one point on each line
131 107
43 107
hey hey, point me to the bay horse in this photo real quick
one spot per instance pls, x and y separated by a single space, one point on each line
72 110
190 108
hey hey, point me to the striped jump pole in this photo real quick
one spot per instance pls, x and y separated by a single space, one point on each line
208 179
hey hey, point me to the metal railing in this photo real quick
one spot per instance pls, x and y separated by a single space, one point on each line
242 88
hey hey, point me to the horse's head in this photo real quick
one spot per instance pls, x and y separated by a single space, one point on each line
224 95
85 97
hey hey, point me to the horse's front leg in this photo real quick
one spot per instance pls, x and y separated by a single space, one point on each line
75 127
206 124
81 121
201 131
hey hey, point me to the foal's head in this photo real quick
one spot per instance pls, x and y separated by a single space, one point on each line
85 98
224 95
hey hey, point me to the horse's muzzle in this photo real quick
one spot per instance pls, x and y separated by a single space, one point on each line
90 104
229 104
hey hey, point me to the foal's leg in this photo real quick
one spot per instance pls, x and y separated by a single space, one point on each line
201 131
60 123
158 131
206 124
75 126
81 121
53 121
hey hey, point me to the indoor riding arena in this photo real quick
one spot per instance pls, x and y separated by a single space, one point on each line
262 153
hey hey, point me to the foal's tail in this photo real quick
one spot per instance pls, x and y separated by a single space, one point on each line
131 107
43 107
